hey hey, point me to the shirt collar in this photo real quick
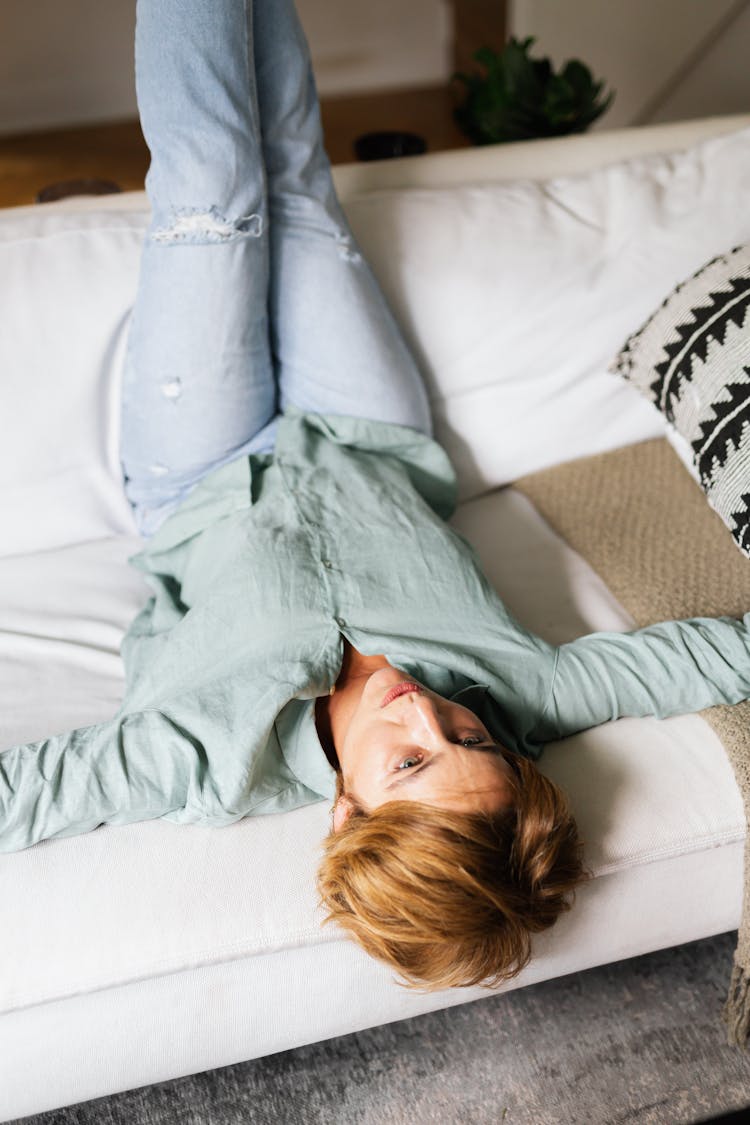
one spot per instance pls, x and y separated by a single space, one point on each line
300 745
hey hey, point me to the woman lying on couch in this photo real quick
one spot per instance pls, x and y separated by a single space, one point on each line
316 630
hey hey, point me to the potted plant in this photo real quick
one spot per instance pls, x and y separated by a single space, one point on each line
517 97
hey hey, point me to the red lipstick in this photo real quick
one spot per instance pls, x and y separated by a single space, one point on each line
403 688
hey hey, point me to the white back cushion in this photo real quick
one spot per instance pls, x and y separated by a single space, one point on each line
67 284
515 296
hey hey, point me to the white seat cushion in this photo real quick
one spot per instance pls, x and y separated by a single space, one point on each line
643 789
154 906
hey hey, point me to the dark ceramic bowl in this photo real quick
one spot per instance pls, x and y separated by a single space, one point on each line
383 146
63 188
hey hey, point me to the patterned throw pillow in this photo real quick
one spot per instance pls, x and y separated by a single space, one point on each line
692 360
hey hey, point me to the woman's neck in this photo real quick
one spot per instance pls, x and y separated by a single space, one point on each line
355 664
333 712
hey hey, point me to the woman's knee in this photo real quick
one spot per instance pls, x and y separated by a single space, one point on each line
204 223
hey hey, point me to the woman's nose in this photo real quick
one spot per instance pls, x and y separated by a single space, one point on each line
423 718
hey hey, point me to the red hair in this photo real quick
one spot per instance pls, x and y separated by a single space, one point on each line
451 899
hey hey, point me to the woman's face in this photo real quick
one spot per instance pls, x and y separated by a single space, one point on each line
406 743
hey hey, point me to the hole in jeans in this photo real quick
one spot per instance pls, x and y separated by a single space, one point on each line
196 225
346 249
172 388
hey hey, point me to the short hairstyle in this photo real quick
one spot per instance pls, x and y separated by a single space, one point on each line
451 899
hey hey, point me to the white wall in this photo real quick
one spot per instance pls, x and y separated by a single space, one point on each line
376 44
667 59
65 62
69 62
720 79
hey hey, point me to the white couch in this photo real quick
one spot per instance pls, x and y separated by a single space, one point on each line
137 954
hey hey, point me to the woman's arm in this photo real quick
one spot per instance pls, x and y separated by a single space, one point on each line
667 669
134 767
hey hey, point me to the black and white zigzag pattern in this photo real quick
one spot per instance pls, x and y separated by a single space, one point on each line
692 360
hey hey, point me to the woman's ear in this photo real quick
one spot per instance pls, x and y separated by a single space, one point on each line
342 810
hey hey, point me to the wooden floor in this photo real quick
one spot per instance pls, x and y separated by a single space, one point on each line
117 151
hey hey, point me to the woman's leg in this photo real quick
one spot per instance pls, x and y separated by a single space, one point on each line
198 382
337 347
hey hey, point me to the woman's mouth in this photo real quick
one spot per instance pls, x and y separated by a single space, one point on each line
400 689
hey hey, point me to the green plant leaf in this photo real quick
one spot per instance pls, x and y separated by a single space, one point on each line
579 78
518 97
487 57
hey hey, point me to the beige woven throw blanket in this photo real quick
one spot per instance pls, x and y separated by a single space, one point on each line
641 521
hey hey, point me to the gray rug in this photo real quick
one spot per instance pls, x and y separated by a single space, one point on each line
639 1041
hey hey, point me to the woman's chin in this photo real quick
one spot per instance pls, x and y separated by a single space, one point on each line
380 681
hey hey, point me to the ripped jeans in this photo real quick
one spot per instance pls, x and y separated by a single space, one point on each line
252 293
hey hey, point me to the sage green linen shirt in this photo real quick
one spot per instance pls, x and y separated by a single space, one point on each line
256 578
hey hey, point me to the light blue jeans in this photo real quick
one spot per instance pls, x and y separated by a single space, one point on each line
252 292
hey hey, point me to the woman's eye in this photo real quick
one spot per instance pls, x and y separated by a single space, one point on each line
471 740
409 763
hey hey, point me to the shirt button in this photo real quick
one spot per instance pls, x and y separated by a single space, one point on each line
341 621
327 563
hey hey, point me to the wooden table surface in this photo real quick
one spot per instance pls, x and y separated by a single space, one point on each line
117 151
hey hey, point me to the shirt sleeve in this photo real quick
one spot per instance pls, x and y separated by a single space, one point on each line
135 767
666 669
